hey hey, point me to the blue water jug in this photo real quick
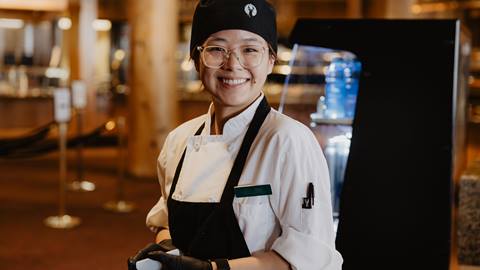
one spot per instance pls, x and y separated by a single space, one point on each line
351 72
335 89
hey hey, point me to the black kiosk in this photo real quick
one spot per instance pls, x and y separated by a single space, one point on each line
408 139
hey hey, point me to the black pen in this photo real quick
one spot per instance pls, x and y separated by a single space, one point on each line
311 193
309 200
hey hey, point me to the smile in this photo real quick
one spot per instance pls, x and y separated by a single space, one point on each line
233 82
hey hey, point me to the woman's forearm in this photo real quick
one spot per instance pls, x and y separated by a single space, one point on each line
268 260
260 260
162 235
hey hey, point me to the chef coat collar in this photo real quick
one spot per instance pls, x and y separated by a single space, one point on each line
235 125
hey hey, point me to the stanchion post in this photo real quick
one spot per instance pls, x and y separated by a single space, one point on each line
121 158
120 205
79 99
62 130
62 116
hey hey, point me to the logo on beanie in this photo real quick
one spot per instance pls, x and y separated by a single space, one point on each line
251 10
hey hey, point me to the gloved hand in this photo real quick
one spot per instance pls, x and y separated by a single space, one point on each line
164 245
173 262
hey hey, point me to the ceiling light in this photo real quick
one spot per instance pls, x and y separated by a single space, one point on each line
64 23
101 25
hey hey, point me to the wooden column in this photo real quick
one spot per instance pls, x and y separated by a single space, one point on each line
152 100
86 48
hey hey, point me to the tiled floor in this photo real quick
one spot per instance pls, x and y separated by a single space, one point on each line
104 240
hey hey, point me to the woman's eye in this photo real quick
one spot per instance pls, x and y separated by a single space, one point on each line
250 50
215 49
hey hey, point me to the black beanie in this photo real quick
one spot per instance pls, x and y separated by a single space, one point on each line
211 16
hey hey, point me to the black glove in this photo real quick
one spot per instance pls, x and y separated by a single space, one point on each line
173 262
164 245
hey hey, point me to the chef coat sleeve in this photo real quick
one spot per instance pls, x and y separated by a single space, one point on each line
307 240
157 217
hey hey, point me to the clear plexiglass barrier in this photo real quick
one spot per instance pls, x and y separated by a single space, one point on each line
320 91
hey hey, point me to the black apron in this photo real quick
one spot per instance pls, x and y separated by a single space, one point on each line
210 230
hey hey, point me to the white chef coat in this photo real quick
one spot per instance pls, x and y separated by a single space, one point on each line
286 155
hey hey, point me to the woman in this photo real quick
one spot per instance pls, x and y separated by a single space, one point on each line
243 186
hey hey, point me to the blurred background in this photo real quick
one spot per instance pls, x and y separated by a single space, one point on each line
126 65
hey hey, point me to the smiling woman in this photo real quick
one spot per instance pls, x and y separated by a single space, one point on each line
233 180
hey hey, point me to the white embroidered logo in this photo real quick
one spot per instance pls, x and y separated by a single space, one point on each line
251 10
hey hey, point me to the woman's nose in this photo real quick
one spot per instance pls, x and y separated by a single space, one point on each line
232 62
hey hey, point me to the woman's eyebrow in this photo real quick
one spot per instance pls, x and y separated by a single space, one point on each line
217 39
251 39
224 40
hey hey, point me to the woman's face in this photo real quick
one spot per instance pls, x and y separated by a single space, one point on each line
232 85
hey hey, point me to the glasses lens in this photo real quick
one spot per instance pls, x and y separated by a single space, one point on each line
251 56
213 56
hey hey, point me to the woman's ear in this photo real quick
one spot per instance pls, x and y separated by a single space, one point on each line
271 63
197 64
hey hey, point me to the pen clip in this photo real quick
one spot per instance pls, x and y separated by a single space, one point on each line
309 201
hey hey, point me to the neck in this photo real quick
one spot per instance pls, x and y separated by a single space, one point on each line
220 117
222 114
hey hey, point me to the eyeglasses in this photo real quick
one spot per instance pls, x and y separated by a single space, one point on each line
249 56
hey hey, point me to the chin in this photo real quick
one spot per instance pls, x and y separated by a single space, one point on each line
235 97
232 102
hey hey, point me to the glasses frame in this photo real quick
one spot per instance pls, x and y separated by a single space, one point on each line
227 54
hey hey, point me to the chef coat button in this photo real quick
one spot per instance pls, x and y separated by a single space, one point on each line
230 148
196 146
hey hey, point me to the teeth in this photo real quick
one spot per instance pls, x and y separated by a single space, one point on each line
234 82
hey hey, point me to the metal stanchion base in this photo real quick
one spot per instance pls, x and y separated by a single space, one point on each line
62 222
119 206
81 186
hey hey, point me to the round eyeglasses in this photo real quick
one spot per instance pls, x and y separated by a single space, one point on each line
249 56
